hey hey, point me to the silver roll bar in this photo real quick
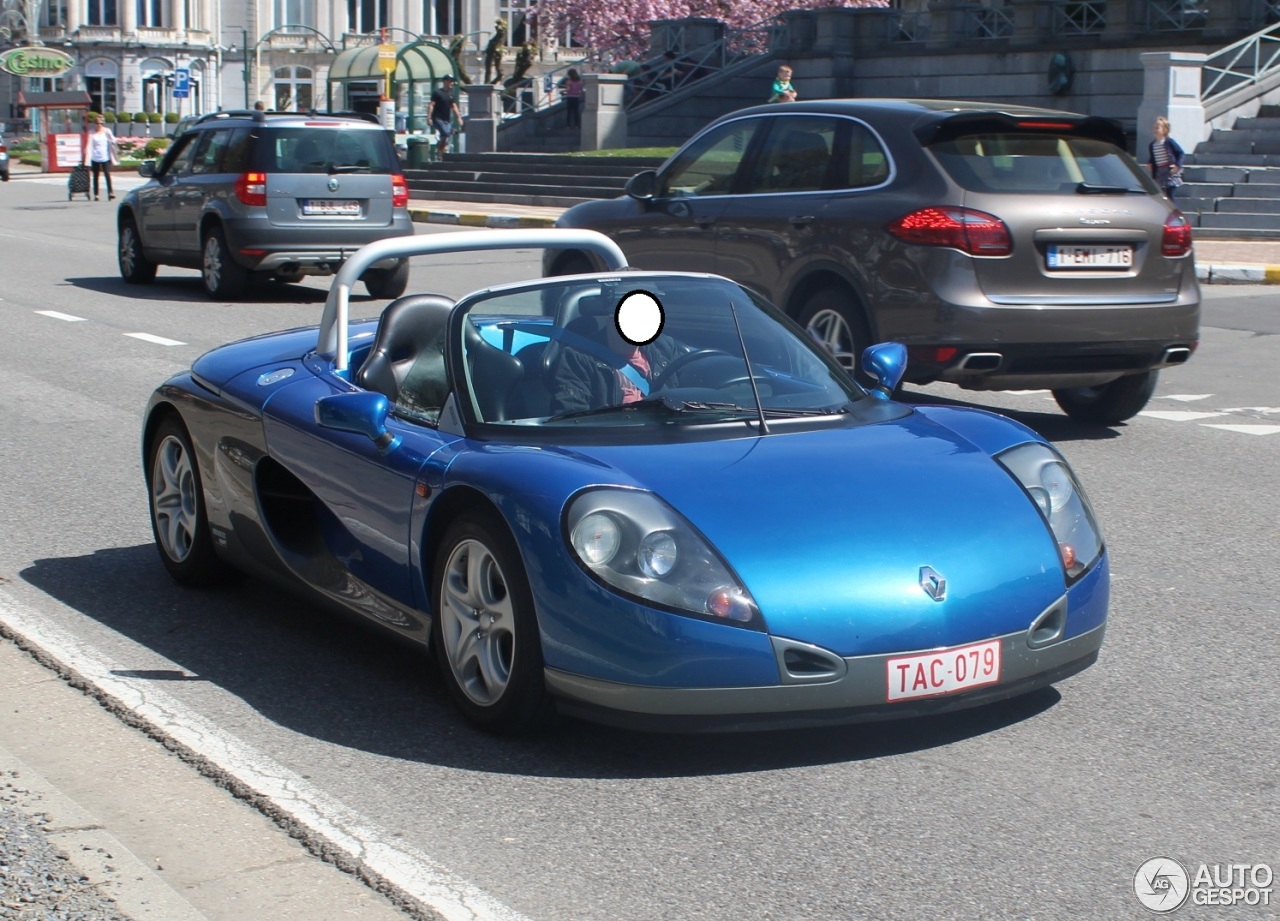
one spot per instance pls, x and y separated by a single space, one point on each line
336 317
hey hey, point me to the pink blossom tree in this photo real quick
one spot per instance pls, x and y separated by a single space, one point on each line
623 25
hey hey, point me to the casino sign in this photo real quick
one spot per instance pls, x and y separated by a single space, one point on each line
36 61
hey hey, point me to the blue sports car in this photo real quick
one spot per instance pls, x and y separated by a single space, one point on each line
644 498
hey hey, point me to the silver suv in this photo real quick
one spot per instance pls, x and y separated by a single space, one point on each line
1007 247
240 195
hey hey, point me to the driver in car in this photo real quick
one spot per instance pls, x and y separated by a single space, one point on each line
613 372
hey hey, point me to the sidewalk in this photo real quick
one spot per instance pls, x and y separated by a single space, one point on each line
1220 262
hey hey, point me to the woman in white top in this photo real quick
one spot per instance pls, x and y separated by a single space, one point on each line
100 152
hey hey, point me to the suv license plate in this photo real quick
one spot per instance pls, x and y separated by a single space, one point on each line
343 206
1090 257
944 671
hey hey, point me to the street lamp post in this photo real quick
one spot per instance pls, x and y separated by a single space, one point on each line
251 51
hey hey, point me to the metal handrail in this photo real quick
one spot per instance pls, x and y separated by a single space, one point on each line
1079 17
988 22
665 77
1243 63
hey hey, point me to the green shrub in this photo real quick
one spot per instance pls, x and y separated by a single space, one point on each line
170 118
109 117
154 118
139 118
156 146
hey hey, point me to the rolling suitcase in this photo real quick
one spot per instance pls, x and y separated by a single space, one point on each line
78 182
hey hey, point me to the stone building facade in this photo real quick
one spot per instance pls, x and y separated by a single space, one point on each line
127 52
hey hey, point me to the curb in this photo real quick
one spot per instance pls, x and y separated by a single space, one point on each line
1238 274
477 219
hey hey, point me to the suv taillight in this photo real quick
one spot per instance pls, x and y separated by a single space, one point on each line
1176 240
251 188
974 232
399 191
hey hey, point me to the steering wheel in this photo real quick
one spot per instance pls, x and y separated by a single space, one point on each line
683 361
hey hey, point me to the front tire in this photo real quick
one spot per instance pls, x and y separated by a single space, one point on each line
485 631
387 283
135 268
833 317
224 278
1109 404
179 521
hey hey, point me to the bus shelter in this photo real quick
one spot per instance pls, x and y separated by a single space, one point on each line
359 79
59 121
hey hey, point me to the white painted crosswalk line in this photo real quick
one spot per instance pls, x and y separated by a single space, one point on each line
66 317
1186 397
158 340
1178 415
1245 429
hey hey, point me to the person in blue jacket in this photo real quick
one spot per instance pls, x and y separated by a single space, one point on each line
1165 158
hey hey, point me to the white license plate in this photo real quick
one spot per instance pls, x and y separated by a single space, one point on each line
344 206
944 671
1090 257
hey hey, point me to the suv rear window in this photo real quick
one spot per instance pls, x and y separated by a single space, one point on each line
1037 163
315 149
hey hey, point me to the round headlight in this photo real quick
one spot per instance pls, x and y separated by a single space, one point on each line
657 554
596 538
1057 483
1041 497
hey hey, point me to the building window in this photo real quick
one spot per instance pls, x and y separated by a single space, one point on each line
104 92
294 89
54 13
102 13
366 15
295 13
443 17
522 20
151 13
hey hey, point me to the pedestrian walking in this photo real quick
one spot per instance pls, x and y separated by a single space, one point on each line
100 153
572 85
1165 158
443 110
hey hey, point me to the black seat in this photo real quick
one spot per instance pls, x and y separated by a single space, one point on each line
410 338
494 374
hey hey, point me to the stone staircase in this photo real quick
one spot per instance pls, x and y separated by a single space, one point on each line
1233 180
558 180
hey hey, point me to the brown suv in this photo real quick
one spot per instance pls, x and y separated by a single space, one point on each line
1007 248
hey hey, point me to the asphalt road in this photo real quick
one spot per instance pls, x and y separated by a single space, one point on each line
1042 807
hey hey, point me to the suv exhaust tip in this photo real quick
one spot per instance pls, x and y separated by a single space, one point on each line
981 361
1175 356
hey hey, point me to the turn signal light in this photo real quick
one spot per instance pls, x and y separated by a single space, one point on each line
399 191
1176 240
251 188
974 232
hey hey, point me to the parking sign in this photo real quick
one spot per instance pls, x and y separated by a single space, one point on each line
181 82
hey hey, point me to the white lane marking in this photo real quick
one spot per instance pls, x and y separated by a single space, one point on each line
61 316
1261 410
158 340
1185 397
1245 429
1178 415
409 870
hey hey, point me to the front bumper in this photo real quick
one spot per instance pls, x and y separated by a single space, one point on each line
857 695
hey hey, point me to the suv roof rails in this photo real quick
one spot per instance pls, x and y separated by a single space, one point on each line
258 115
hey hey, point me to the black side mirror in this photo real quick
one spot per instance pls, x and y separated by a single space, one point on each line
642 186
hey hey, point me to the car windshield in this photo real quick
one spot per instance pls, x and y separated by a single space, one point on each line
1036 163
559 353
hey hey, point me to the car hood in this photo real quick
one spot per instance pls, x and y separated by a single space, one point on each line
829 531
